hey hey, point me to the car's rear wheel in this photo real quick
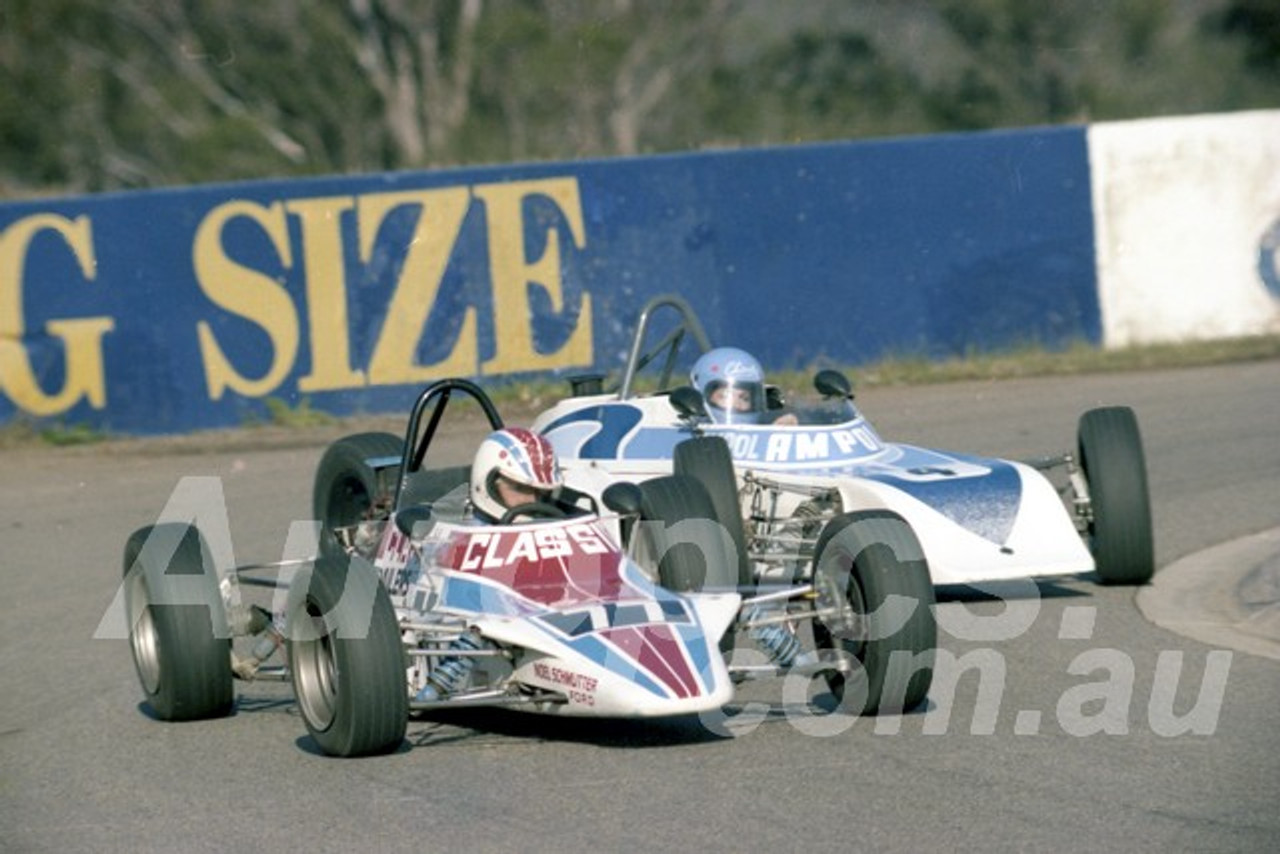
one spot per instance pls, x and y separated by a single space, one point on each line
1114 467
347 659
708 460
347 488
178 633
875 609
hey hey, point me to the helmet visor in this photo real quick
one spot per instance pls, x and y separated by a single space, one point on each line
733 402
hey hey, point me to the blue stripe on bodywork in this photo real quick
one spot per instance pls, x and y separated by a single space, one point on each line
654 443
615 420
468 594
698 645
986 504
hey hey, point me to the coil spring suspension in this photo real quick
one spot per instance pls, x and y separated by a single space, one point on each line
776 639
451 672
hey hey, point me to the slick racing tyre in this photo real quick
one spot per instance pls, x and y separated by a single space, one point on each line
347 659
681 536
707 459
1119 528
178 631
875 611
347 489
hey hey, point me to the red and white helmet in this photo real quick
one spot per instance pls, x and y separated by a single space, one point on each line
517 454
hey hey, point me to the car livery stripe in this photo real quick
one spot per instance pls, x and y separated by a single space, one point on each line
616 422
664 659
698 646
660 652
985 503
584 596
474 595
478 595
597 651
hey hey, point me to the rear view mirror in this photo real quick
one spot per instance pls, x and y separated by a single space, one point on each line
831 383
408 518
586 385
688 403
773 398
622 498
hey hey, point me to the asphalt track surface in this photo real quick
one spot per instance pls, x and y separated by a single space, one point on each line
1081 726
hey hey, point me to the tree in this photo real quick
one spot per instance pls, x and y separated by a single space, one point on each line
1257 22
110 94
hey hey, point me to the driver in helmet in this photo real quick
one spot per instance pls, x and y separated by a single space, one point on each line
731 382
512 466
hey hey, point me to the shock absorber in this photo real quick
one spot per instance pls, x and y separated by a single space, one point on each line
776 639
450 673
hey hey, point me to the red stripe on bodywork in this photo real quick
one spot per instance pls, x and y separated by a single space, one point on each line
658 650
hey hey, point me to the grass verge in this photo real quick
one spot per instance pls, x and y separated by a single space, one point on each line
301 424
1030 361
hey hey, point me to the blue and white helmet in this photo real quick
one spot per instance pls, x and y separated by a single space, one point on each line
731 382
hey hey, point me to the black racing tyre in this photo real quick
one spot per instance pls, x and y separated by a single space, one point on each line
681 534
875 600
1119 531
347 659
178 633
707 459
346 486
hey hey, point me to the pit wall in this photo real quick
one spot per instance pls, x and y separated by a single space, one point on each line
171 310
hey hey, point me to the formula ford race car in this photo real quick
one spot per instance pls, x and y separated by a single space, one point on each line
412 604
977 519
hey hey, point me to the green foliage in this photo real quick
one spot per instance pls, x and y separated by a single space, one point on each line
98 95
71 434
281 414
23 433
1257 22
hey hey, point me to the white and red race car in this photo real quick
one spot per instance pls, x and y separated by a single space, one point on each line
562 608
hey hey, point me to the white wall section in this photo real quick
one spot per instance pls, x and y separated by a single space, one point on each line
1187 226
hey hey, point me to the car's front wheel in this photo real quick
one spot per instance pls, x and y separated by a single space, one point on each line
347 659
875 610
1114 467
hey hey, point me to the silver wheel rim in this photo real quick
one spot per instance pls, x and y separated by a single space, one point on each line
142 636
848 627
316 672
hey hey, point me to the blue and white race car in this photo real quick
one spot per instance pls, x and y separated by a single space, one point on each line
798 477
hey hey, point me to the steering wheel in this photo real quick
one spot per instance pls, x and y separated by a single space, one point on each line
536 509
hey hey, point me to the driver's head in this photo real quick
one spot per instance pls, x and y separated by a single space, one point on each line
732 384
513 466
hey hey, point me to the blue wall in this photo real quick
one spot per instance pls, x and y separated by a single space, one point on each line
848 252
